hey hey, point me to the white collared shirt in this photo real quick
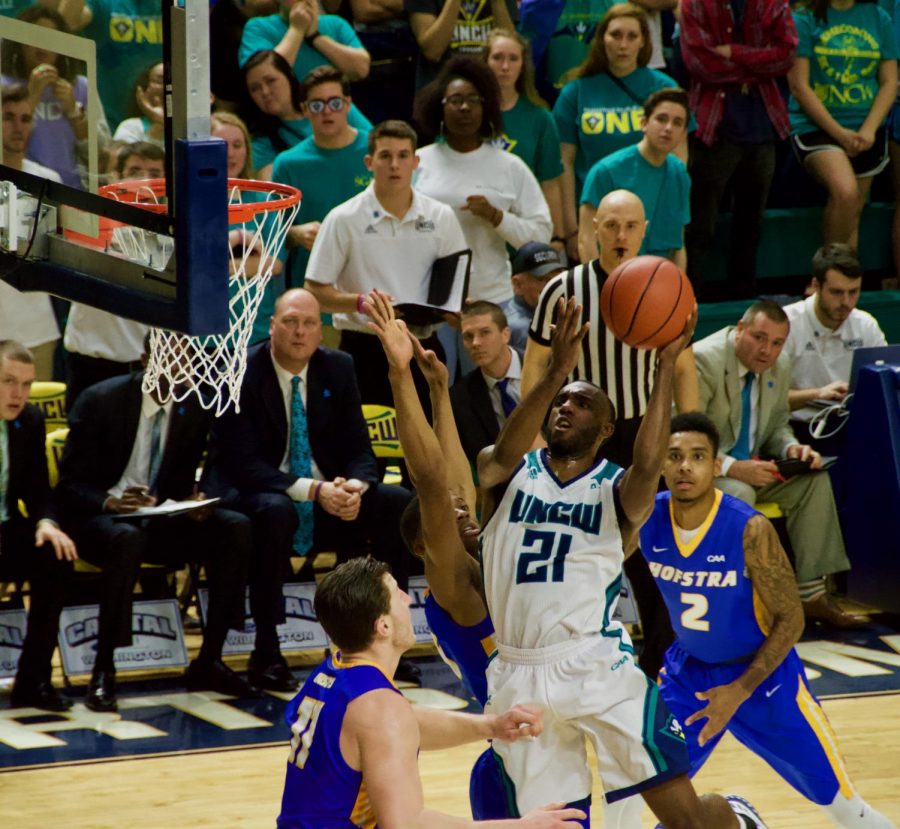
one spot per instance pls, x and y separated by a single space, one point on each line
361 246
514 375
299 490
137 470
820 356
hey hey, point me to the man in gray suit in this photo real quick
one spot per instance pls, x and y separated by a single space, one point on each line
744 382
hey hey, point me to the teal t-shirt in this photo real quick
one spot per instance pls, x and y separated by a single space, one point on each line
599 117
129 36
267 32
326 178
844 54
664 190
529 132
570 43
293 132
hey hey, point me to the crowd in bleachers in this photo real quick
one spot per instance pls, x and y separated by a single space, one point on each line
526 118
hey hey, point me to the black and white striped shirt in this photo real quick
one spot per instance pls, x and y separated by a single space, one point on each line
626 374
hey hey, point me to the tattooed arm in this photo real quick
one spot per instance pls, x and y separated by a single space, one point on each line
775 584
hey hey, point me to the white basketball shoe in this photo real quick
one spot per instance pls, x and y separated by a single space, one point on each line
745 811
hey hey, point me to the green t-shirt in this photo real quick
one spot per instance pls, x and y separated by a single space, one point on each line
129 36
529 132
844 54
326 178
664 190
570 42
267 32
599 117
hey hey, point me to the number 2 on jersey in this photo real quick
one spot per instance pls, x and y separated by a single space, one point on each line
532 564
692 615
304 728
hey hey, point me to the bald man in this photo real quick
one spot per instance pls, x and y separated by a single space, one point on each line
297 460
626 374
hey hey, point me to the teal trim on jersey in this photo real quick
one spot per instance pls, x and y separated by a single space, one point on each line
608 471
649 727
531 459
611 593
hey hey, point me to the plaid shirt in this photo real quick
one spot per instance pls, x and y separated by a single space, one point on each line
767 53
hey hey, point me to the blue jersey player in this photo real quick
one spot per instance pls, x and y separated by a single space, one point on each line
733 600
352 763
438 527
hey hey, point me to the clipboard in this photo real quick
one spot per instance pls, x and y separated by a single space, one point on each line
448 285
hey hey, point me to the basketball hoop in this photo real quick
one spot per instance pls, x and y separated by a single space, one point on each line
211 367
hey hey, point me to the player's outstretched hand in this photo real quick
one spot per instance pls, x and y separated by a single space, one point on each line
674 348
434 370
553 816
391 331
567 334
723 701
520 721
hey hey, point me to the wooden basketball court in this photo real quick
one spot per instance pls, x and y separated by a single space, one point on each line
241 788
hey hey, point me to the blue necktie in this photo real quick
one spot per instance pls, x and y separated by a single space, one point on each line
507 401
741 450
300 460
156 449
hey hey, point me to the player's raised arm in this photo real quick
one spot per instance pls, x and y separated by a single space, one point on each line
449 569
459 472
640 482
498 462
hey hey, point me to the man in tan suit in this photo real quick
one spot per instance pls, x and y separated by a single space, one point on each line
744 382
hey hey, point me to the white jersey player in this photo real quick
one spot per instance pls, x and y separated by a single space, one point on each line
557 525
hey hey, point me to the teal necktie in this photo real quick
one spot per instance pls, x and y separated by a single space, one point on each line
300 460
4 469
741 450
156 449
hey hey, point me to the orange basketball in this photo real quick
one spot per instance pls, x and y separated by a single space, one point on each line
646 301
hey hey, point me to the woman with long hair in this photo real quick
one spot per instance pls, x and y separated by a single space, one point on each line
495 196
528 127
271 103
843 83
600 109
58 94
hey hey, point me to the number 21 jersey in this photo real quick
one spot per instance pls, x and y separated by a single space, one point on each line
552 555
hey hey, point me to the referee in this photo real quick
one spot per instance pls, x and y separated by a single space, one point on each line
626 375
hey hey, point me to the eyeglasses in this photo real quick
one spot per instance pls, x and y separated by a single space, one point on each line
317 105
456 101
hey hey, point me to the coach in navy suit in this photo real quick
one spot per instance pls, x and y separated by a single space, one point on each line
32 547
126 450
352 512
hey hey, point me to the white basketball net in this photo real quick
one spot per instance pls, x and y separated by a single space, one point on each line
212 367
